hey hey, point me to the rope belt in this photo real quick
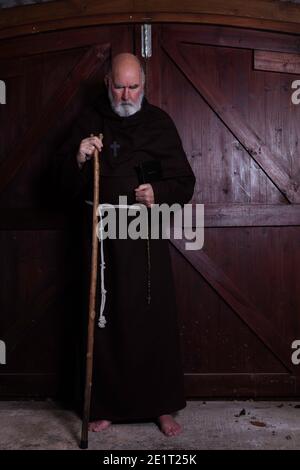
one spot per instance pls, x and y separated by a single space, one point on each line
102 320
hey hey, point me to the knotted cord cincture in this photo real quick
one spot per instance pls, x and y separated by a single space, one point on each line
102 320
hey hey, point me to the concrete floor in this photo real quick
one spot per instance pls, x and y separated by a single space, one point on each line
207 425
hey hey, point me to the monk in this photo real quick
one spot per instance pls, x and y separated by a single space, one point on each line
137 371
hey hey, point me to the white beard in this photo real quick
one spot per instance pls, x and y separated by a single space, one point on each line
125 108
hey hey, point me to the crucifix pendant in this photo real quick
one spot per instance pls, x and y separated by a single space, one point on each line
115 147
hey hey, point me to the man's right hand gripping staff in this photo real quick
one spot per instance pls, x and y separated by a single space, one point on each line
87 148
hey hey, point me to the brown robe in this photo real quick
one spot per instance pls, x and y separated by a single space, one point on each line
137 370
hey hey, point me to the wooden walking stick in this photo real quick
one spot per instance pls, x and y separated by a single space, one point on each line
92 306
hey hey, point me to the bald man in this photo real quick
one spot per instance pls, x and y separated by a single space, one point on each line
137 372
125 86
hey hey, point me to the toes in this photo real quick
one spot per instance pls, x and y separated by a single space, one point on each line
169 431
94 428
98 426
91 427
172 430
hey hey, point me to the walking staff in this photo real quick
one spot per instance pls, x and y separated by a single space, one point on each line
92 306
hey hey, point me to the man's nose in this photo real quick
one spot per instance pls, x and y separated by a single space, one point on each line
125 94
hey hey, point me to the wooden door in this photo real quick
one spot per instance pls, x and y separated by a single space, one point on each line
47 79
238 297
238 302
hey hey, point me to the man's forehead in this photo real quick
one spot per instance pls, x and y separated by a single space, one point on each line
126 68
126 80
126 72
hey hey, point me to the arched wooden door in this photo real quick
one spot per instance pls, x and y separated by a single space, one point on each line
238 297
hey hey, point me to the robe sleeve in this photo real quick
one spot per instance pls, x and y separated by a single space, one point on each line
178 181
170 191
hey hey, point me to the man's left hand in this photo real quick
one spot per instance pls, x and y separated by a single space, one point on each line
144 194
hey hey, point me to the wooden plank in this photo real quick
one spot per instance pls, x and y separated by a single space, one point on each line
231 294
44 303
244 215
21 385
29 385
250 215
55 41
263 9
37 308
259 14
239 38
155 17
32 219
241 385
11 68
91 60
48 299
271 164
277 62
215 215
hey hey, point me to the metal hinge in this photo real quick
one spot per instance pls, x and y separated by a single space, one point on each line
146 40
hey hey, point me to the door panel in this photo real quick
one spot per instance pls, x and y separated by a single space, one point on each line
238 302
48 80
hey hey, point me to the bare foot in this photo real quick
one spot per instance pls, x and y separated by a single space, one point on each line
169 426
97 426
